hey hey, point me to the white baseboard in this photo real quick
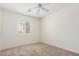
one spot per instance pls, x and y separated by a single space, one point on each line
52 44
16 45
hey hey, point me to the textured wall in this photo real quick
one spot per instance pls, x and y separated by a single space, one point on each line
10 36
62 29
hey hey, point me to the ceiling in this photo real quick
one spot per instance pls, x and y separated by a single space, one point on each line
24 7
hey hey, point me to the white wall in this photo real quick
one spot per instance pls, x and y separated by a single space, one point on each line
62 29
0 23
0 29
10 36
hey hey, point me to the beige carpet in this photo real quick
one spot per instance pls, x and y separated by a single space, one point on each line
37 49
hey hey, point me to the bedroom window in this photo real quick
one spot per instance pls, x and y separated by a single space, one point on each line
20 28
24 27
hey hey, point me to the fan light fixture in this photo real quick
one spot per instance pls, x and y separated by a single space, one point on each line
39 7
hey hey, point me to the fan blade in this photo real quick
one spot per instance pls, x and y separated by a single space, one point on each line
44 9
30 9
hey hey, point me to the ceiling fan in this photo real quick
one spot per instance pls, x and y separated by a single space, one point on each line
39 7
